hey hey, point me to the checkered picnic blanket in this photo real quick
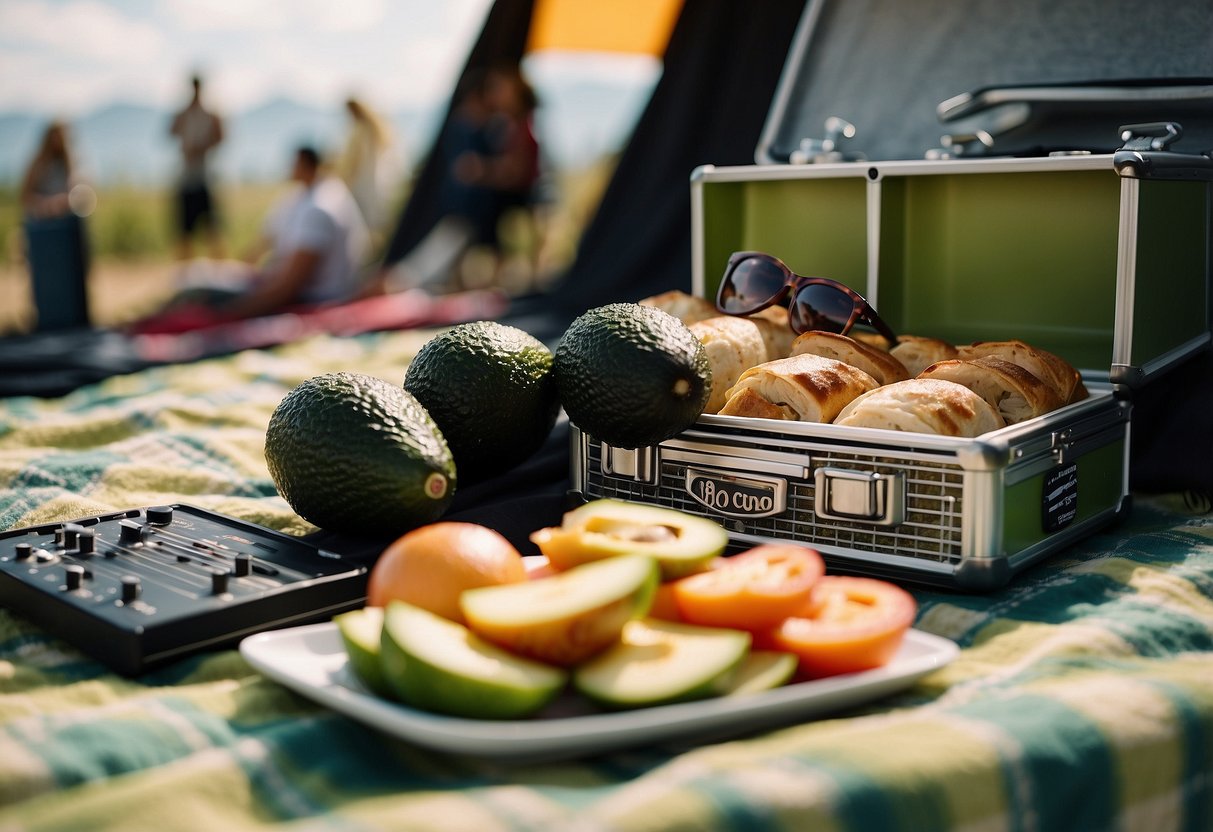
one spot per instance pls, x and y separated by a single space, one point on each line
1082 698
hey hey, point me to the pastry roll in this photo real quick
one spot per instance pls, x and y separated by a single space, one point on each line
1014 392
878 364
778 337
922 405
806 388
733 345
1049 368
684 307
917 353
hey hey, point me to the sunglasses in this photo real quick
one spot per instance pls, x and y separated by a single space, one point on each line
754 280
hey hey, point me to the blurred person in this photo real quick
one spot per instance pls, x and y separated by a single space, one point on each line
54 204
313 246
198 131
466 209
508 170
366 164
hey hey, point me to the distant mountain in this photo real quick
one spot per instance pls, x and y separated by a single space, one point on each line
129 143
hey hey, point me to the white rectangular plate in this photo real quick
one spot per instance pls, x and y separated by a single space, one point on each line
311 660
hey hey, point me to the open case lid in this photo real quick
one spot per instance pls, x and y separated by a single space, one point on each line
1041 74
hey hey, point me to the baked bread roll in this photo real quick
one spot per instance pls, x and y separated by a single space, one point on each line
684 307
917 353
1049 368
811 388
922 405
1015 393
778 337
733 345
749 403
878 364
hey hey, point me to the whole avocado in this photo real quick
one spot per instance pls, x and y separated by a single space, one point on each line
490 389
631 375
355 454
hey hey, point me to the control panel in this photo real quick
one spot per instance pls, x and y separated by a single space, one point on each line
138 588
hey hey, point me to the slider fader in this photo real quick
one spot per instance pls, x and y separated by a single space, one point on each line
138 588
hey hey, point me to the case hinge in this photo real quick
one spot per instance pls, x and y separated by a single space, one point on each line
816 151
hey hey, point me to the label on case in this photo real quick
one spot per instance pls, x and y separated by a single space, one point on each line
737 496
1059 500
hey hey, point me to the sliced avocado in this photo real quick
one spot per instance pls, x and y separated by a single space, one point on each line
682 544
631 375
438 665
360 633
491 390
565 618
761 670
659 662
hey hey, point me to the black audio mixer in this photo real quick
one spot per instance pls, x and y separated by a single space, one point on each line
137 588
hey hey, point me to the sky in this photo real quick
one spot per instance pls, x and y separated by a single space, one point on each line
70 57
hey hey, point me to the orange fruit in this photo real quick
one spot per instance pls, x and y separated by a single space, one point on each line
430 567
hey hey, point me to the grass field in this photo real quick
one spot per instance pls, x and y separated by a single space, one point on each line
132 246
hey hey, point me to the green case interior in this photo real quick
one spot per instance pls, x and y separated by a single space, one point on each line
984 256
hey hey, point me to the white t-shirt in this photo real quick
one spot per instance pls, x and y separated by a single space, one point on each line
325 219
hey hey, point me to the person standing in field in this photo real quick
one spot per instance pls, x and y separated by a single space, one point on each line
198 131
365 165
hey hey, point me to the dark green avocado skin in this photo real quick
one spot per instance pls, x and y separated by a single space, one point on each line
355 454
631 375
490 389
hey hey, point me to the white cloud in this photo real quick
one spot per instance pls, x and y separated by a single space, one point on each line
268 15
79 29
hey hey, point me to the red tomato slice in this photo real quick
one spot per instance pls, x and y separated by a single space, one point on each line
847 625
751 591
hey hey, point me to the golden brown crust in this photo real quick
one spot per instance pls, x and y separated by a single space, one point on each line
1052 369
1015 393
733 345
684 307
878 364
917 353
750 404
813 387
922 405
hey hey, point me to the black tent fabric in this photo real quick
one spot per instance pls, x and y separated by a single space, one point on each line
722 64
502 40
721 68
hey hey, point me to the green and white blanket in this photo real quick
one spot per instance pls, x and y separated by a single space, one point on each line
1082 698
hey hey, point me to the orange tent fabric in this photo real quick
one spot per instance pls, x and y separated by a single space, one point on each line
635 26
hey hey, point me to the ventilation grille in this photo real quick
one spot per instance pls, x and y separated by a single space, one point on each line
931 529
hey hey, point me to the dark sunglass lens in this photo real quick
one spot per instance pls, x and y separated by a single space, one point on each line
752 283
821 307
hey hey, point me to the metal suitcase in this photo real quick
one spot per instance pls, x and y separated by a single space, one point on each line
1103 259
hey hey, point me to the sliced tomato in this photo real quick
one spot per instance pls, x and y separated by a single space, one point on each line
846 625
751 591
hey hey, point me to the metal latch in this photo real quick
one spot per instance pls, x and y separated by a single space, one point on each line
816 151
639 464
846 494
1060 442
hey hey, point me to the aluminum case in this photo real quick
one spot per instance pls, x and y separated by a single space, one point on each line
1103 259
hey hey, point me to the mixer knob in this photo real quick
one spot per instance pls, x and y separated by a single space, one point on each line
219 582
130 532
73 576
23 551
131 588
71 535
86 542
244 565
160 515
